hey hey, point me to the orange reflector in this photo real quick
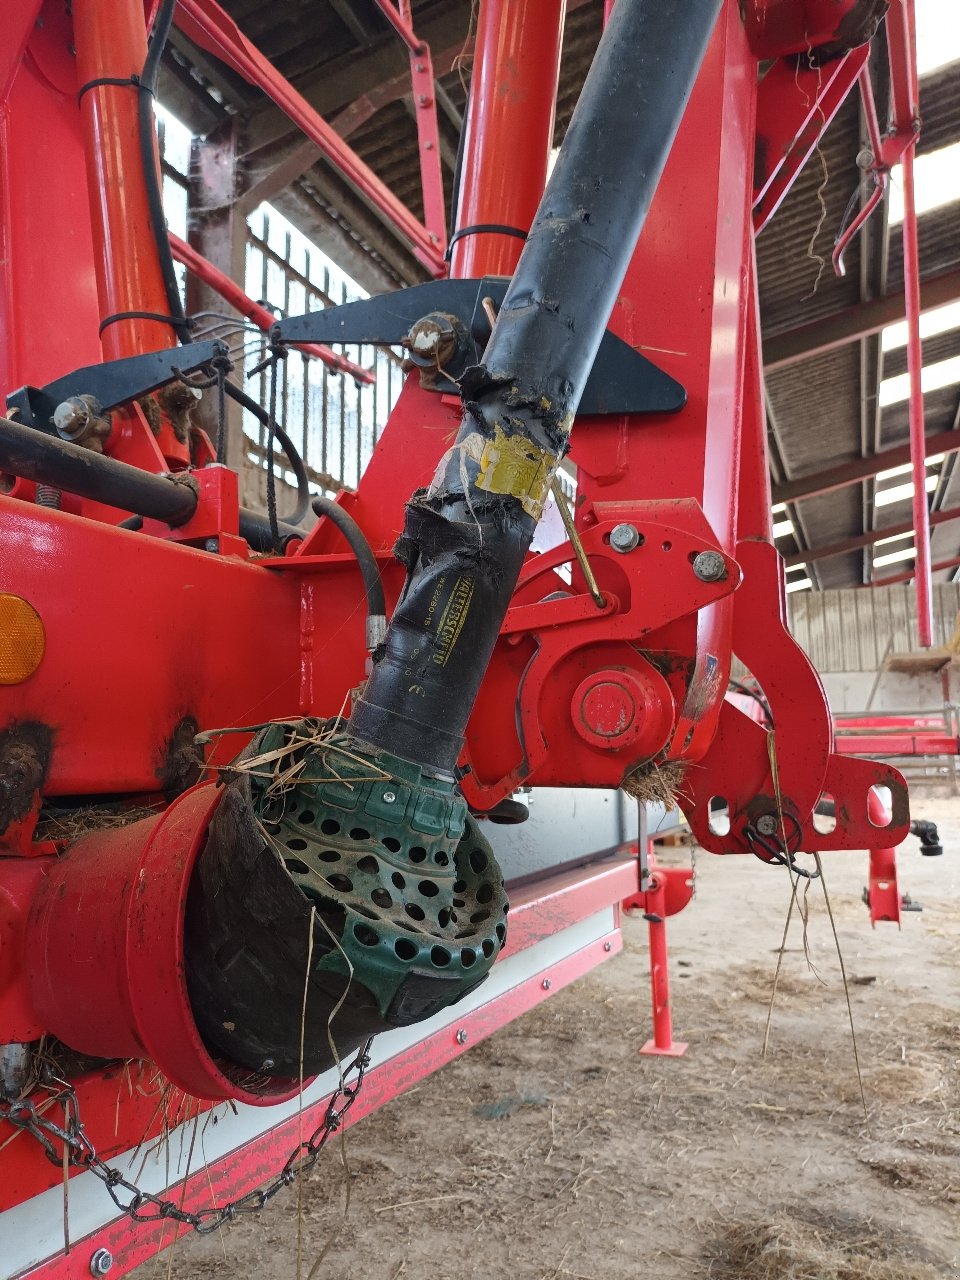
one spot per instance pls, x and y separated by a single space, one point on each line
22 639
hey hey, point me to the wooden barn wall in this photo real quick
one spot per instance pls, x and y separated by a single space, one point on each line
850 630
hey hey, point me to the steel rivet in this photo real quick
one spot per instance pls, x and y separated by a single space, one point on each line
545 984
101 1262
461 1036
389 797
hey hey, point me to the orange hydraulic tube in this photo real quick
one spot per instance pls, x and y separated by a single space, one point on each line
509 131
110 38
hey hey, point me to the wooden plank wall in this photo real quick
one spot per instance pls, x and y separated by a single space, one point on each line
850 630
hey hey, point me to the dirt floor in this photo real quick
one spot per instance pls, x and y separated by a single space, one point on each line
554 1151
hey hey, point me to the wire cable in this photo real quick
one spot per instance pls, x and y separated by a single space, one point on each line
285 443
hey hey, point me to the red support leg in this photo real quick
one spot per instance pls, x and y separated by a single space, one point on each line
668 890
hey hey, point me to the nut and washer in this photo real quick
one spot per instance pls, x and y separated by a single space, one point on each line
461 1036
710 566
101 1262
624 538
767 824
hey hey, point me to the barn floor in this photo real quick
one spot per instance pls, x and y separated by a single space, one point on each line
553 1151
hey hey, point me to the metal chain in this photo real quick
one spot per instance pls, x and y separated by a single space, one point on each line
144 1206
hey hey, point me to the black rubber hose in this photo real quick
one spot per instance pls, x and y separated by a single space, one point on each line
151 176
376 601
288 447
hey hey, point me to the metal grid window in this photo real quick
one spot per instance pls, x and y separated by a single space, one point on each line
334 422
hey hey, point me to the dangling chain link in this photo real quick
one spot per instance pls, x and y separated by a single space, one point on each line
144 1206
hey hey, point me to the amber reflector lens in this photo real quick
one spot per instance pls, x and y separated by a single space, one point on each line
22 639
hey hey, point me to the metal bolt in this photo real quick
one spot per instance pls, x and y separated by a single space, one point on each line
268 1064
212 544
624 537
428 146
545 984
767 824
101 1262
710 566
608 946
461 1036
389 797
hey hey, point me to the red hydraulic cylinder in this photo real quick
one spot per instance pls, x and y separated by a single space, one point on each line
111 43
509 131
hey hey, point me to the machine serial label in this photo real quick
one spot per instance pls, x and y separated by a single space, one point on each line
452 620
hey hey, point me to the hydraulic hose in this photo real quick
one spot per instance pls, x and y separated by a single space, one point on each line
288 447
148 142
369 569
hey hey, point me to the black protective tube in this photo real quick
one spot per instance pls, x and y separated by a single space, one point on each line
369 569
255 528
32 454
466 536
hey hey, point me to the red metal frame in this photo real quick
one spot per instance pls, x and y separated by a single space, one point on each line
215 31
184 634
668 890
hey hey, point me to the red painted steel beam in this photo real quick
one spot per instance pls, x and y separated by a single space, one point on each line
794 108
231 292
858 469
868 539
853 323
204 22
401 25
896 744
902 48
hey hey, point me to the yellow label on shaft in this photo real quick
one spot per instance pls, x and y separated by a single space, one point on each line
515 465
452 619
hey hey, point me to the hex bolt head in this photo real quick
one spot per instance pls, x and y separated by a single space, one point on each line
767 824
101 1262
461 1036
624 537
608 946
546 984
710 566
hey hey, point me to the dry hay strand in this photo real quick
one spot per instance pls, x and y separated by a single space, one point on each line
782 1248
937 1177
654 783
71 824
755 982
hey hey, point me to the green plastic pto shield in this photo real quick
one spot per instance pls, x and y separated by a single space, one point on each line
409 910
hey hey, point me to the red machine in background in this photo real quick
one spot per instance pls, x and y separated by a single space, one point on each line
177 669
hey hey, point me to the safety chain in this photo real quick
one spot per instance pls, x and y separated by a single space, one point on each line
144 1206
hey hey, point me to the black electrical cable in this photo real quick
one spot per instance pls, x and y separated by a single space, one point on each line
376 601
458 173
286 444
158 223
